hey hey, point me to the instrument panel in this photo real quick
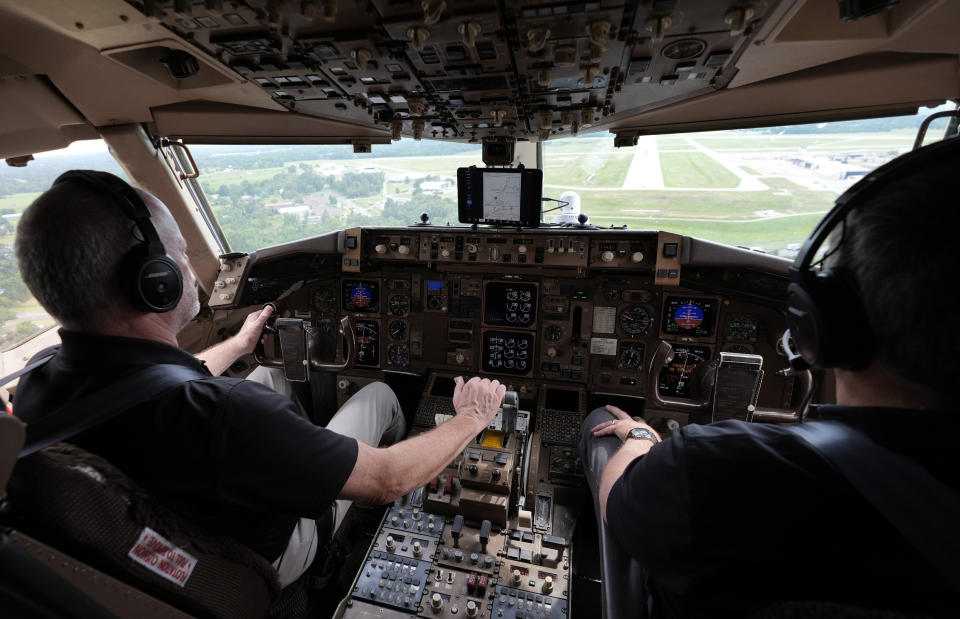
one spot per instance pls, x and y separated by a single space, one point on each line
589 309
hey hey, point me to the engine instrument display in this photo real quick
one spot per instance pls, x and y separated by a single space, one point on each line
689 316
368 342
361 296
635 320
507 352
398 355
742 328
675 377
510 304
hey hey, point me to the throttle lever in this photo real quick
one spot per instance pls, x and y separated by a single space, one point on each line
258 352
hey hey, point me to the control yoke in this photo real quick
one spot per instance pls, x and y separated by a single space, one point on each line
298 345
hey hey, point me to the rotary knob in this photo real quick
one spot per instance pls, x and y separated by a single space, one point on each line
219 284
471 248
474 557
551 352
460 358
417 549
547 585
445 253
403 250
380 248
636 256
391 544
471 608
607 256
436 602
458 556
522 249
515 577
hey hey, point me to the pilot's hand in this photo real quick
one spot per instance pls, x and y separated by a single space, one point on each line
621 425
248 336
478 399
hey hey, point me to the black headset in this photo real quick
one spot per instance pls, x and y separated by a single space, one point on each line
820 301
149 277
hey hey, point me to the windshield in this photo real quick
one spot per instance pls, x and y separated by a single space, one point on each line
764 189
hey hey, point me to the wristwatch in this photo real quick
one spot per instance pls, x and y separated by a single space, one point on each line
643 433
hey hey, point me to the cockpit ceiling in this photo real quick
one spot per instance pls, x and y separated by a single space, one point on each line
469 70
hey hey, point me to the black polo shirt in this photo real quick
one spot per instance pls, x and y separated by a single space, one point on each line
229 454
731 517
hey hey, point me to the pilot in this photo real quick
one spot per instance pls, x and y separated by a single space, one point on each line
727 519
231 455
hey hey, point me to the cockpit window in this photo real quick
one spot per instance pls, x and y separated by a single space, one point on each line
21 316
763 189
264 195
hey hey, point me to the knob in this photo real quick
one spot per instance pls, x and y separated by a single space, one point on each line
460 358
424 217
474 557
487 561
607 256
226 296
636 256
403 250
495 254
380 248
391 544
551 352
515 577
343 385
471 248
219 284
417 549
547 584
445 253
225 266
473 469
436 602
495 475
522 249
471 608
394 521
458 556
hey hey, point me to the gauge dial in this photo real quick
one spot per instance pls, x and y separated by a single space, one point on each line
398 355
399 305
435 302
675 376
635 320
397 330
324 301
631 356
742 328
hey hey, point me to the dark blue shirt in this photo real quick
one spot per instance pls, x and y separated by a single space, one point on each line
228 454
731 517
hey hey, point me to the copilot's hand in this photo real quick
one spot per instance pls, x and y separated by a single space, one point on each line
478 399
246 339
621 425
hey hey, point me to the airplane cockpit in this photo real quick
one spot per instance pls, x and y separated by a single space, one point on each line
547 220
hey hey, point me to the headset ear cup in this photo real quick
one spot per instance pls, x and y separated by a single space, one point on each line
153 283
828 322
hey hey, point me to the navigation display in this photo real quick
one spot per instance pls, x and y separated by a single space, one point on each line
510 304
500 196
361 296
689 316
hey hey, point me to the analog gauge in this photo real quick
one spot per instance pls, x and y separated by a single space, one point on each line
435 302
612 294
675 376
399 304
324 301
631 356
742 328
398 355
397 330
635 320
554 333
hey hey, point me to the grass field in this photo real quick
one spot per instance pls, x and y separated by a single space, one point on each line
17 201
695 169
602 169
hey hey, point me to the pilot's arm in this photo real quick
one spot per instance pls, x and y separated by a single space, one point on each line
219 357
628 452
383 474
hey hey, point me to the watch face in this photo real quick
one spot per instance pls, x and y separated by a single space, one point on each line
642 433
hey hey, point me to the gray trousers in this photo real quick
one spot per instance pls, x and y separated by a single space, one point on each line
373 416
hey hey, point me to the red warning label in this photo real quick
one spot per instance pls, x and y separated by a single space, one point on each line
161 557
